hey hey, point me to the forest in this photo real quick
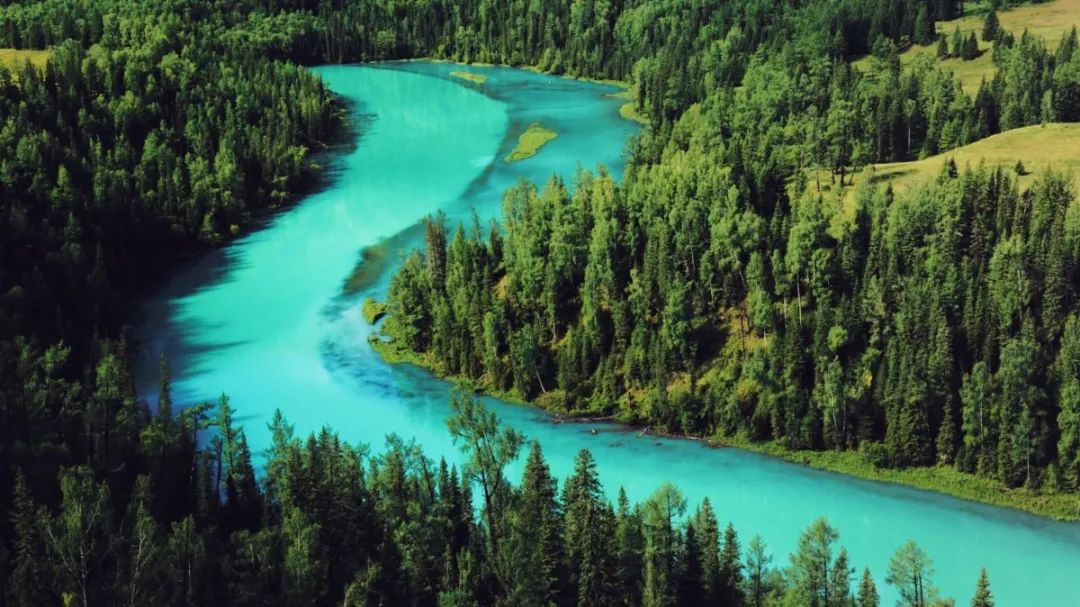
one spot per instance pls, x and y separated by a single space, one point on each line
722 290
334 524
708 293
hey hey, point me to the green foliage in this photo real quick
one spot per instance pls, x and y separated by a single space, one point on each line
868 594
340 525
373 311
983 597
921 372
710 293
991 27
910 571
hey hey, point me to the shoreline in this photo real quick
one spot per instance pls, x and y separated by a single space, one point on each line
628 111
1060 507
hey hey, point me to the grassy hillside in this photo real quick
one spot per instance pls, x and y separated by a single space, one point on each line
1040 147
1053 146
1049 21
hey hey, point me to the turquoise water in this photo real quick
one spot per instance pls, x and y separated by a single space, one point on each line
266 321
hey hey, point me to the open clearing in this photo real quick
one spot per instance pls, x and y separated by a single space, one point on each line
1049 21
1040 147
15 59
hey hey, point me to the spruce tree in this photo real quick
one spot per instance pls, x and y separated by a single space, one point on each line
971 47
983 596
731 575
629 551
537 534
690 591
924 27
991 27
590 526
708 537
30 565
956 46
868 594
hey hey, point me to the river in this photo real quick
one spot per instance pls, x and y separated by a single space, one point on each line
266 320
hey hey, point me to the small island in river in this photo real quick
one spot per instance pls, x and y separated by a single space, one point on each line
530 142
471 77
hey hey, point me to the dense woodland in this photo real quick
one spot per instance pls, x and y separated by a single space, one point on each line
710 292
718 291
332 524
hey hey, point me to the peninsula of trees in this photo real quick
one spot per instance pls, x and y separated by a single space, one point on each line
733 286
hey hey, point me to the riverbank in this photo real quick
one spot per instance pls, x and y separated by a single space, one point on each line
939 479
629 110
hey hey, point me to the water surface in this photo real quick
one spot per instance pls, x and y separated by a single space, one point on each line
266 321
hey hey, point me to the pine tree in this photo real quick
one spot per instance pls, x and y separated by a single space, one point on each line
690 590
590 527
708 537
30 570
971 48
868 594
842 571
956 47
537 534
924 27
991 27
629 551
731 577
983 597
812 565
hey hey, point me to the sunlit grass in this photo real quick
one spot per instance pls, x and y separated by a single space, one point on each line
630 110
1050 21
15 59
530 142
1040 147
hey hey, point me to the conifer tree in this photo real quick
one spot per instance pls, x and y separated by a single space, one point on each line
983 596
868 594
537 534
708 537
30 565
590 527
629 550
731 574
991 27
